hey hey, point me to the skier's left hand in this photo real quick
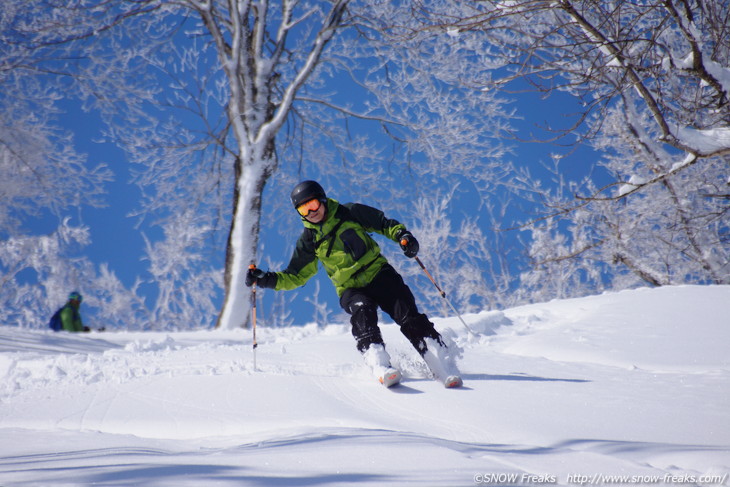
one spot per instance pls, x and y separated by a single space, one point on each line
408 243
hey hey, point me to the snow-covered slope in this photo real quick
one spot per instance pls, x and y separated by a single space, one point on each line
627 388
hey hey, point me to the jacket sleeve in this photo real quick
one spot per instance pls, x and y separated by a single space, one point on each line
302 266
374 220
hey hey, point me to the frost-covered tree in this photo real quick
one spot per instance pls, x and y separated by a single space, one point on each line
43 175
237 86
285 68
186 294
653 80
213 99
267 53
448 132
457 255
41 169
53 272
256 92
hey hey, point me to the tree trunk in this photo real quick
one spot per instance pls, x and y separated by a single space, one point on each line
242 243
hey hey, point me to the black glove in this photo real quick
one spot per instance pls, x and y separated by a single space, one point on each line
408 243
261 278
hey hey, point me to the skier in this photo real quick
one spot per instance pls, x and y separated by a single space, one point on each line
68 317
338 236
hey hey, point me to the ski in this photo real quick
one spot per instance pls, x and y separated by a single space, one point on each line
379 362
441 364
453 381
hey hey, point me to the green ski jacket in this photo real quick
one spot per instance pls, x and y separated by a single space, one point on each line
71 318
342 243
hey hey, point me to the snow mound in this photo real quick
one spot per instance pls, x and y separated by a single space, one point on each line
681 328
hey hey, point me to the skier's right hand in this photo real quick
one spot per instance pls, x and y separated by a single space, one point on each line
253 275
261 278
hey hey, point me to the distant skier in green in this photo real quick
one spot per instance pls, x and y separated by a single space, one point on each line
338 236
68 317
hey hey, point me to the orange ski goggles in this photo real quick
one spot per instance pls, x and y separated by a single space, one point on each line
309 206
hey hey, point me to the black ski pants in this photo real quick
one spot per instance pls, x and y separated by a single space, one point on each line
387 291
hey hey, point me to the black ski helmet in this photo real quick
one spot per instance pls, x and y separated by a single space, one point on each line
305 191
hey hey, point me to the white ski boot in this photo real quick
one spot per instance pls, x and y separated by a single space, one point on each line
379 361
441 360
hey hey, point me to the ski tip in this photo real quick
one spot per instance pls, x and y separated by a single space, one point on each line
453 381
390 378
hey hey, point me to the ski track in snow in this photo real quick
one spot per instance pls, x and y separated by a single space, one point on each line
635 383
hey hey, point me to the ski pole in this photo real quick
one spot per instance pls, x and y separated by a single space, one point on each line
441 292
253 317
